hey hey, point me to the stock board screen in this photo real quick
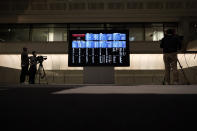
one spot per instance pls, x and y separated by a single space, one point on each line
98 48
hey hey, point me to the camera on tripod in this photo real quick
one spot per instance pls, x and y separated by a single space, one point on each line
40 59
41 70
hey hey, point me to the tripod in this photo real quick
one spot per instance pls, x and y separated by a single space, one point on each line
42 73
188 83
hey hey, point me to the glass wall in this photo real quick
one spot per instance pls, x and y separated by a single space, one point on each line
87 26
40 34
20 34
4 34
154 32
136 32
15 33
49 32
58 32
193 31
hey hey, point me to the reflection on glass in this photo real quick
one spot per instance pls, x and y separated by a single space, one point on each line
136 34
40 34
4 34
20 34
57 34
154 33
49 34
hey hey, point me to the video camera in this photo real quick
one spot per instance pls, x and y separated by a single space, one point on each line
40 59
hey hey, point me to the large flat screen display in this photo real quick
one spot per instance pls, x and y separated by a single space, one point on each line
98 48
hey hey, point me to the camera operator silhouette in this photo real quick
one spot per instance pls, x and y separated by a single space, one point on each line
171 43
24 65
33 68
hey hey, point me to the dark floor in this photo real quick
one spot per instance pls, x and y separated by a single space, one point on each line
36 109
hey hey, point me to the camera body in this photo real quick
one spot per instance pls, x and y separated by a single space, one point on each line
40 59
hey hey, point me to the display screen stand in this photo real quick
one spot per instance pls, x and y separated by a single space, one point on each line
98 75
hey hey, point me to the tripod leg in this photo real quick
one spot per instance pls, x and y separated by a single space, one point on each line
39 73
183 73
163 82
45 75
39 78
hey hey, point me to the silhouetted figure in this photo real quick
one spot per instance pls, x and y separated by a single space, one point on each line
24 65
170 44
33 68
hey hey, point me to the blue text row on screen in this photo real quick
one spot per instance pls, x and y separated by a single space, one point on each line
98 44
101 36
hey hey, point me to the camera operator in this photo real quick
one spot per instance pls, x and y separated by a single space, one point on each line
24 65
33 68
171 43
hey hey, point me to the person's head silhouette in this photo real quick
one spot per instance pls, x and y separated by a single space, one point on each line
170 32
